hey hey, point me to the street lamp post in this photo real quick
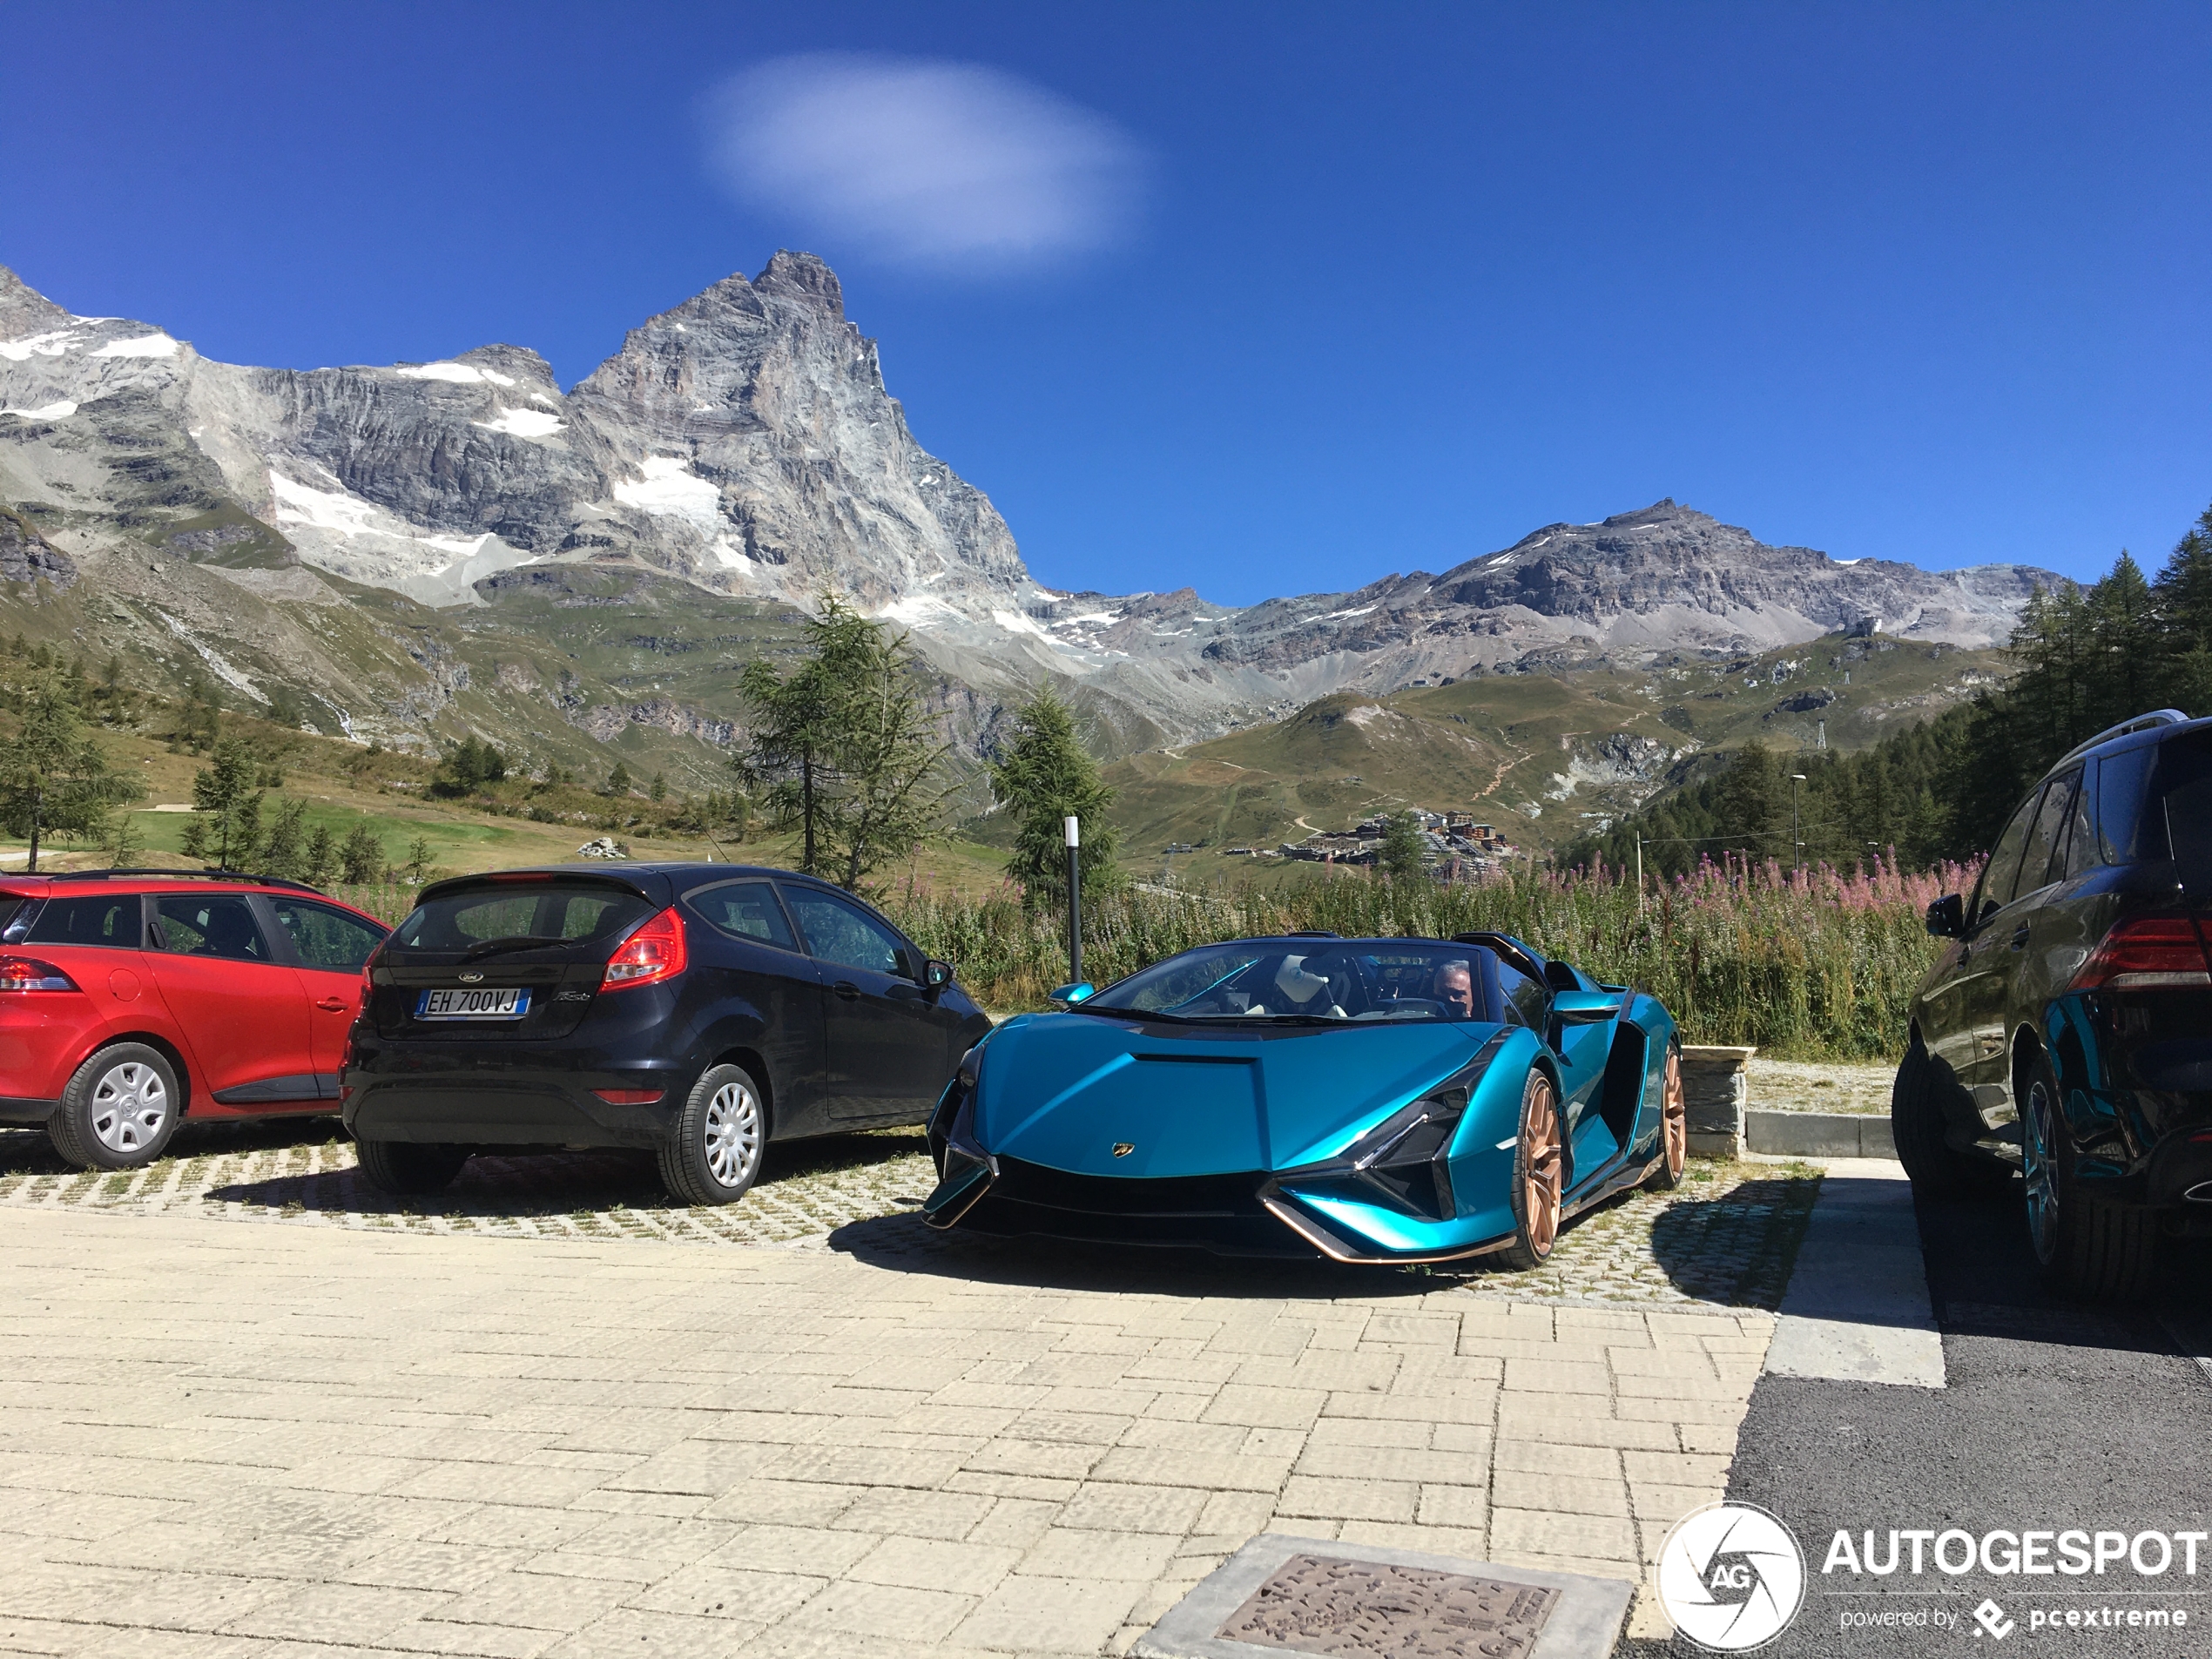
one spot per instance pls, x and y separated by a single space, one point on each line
1797 846
1073 828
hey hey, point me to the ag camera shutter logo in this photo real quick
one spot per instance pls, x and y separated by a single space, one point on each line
1731 1577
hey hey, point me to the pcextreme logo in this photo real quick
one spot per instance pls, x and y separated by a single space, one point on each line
1731 1577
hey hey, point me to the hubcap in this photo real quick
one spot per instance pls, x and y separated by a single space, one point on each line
2036 1159
129 1104
1674 1114
1541 1170
732 1135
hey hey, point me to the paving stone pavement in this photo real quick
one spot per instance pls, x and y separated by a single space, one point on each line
278 1441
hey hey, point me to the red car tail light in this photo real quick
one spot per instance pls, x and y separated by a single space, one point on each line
2153 952
29 974
630 1096
656 951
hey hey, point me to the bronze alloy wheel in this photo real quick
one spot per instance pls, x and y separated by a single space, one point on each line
1539 1168
1674 1126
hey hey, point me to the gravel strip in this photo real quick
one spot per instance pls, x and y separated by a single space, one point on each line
1727 1235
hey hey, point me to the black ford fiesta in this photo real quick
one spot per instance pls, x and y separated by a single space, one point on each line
694 1010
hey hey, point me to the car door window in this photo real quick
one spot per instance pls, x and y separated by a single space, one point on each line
326 937
106 919
219 924
841 932
2043 860
2122 786
2081 852
746 910
2002 871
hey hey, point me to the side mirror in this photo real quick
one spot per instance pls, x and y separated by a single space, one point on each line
936 974
1585 1007
1947 917
1068 995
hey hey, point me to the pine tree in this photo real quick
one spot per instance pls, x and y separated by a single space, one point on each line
362 859
227 805
1043 775
54 779
1403 847
321 858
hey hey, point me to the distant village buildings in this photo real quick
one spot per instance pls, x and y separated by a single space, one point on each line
1459 846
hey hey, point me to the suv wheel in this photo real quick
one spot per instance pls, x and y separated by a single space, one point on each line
409 1169
713 1149
119 1111
2084 1247
1916 1124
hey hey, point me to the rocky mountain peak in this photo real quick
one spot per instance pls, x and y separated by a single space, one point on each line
23 310
803 275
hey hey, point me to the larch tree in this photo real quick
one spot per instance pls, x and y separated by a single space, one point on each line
1043 775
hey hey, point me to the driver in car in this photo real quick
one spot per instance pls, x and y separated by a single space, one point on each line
1454 988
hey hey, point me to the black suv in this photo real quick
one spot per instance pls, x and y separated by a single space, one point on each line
696 1010
2067 1031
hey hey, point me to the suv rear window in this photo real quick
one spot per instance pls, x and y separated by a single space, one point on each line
582 914
2181 784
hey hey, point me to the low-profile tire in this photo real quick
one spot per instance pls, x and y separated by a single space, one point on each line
712 1153
1538 1176
1674 1126
409 1169
119 1110
2083 1247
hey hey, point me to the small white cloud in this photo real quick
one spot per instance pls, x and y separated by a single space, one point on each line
923 161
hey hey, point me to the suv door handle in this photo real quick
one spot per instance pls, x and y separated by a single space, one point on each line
331 1005
845 988
2019 937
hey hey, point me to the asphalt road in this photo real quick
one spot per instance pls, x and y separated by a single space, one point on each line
2055 1417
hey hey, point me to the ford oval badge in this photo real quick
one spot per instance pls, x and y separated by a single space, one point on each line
472 979
1123 1149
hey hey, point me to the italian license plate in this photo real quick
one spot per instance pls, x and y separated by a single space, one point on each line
509 1004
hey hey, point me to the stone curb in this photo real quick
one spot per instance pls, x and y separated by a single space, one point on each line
1819 1135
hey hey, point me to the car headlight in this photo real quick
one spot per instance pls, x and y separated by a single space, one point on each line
1405 1160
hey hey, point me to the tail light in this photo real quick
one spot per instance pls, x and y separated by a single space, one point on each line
655 951
2150 954
29 974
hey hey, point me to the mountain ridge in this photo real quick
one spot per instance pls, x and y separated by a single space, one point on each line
743 442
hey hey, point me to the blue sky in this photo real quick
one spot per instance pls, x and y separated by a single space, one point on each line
1327 292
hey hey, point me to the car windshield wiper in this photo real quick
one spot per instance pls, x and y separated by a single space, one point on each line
1133 1013
513 941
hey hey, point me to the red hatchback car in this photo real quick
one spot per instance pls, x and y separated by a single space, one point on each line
129 998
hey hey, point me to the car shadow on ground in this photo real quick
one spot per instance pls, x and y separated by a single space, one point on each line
1983 1282
490 1184
905 1244
1739 1248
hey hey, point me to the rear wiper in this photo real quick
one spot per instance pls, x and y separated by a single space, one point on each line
513 941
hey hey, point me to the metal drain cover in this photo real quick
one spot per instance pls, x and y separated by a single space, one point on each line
1350 1610
1280 1595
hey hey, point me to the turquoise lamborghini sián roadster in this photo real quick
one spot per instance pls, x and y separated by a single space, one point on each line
1364 1100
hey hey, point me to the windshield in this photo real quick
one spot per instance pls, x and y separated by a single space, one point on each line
1351 981
541 915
